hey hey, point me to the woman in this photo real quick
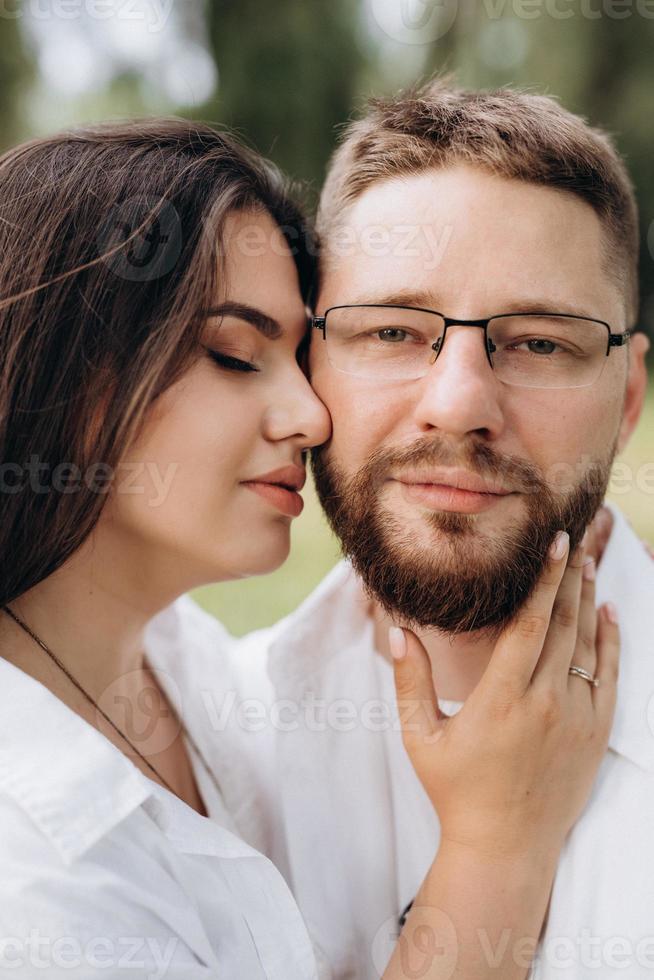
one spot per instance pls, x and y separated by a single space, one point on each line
155 421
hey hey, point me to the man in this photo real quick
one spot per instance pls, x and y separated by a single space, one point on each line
479 272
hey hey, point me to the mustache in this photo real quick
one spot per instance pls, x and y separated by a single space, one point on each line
463 588
480 460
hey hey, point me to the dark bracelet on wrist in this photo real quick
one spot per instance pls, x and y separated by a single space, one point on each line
402 918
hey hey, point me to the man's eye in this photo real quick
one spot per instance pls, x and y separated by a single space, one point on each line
231 363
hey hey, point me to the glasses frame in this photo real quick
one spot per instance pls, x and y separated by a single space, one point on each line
613 339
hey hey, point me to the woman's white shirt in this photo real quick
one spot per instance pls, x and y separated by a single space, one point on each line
106 873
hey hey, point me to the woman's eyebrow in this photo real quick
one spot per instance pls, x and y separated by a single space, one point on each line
265 324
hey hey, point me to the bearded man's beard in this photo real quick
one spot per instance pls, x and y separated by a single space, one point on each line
441 570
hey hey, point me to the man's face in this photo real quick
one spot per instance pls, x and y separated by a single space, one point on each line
502 243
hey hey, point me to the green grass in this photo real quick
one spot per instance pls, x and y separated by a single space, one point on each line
260 601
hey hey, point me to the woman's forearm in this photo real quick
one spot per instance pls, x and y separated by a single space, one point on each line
475 917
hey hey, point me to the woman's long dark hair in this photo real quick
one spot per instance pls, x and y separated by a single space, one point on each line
110 256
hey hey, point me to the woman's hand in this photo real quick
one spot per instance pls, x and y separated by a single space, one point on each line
510 773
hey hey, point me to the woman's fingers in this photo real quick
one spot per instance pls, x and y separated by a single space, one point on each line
607 669
419 712
520 645
585 652
562 634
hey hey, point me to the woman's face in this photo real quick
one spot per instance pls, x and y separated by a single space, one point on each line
241 412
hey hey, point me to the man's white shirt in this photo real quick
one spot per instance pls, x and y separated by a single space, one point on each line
326 790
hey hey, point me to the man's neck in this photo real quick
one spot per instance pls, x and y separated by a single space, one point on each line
457 662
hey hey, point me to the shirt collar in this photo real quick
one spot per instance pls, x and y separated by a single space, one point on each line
73 782
337 612
625 576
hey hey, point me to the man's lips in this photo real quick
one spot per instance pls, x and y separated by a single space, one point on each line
453 479
444 496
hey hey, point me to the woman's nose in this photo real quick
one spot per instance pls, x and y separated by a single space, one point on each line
299 414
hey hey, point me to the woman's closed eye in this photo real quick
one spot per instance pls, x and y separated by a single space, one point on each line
231 363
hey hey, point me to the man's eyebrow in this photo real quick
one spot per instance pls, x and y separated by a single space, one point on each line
405 297
265 324
428 301
547 305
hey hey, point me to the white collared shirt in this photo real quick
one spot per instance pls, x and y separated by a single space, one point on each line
342 814
106 873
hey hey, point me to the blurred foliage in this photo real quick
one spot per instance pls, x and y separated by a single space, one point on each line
16 70
289 73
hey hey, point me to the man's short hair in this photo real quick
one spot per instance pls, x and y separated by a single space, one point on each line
507 132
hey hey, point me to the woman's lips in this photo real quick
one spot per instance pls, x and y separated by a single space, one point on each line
288 501
441 497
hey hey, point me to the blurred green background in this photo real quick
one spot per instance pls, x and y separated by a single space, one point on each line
286 75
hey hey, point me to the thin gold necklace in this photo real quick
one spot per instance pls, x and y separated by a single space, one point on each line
98 708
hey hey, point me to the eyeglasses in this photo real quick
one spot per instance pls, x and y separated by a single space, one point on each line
530 350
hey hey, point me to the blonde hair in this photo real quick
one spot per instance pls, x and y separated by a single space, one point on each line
507 132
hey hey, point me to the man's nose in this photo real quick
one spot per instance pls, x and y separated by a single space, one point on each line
460 392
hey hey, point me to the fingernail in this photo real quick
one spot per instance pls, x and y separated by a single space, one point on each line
397 642
559 545
588 571
611 612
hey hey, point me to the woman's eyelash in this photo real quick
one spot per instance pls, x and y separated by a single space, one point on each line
232 363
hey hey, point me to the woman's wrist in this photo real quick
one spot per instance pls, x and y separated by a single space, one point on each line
514 853
478 915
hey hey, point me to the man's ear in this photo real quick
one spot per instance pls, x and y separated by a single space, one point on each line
636 387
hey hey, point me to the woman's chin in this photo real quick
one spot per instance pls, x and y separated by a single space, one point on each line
264 566
268 557
258 551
